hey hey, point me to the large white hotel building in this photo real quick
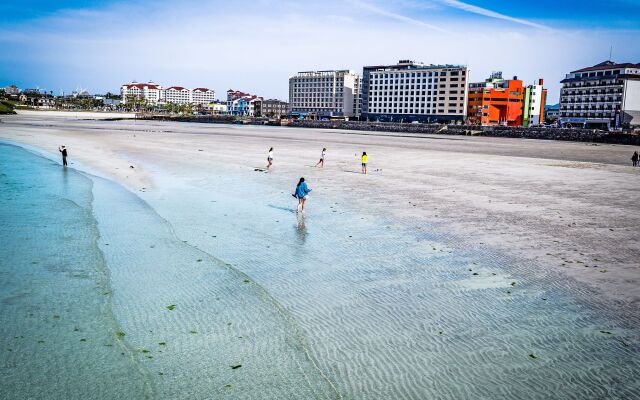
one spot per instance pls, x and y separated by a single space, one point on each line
325 94
605 95
410 91
152 93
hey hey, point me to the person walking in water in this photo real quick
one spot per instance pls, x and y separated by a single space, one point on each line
302 194
270 158
321 162
365 159
63 150
634 158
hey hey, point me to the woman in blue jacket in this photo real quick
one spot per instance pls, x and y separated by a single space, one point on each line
302 193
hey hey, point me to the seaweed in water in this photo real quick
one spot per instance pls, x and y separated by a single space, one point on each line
120 334
171 307
236 366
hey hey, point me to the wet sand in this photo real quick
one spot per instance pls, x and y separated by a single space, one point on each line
569 207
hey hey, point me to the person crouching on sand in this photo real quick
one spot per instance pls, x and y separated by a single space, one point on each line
63 150
365 159
322 155
270 158
302 194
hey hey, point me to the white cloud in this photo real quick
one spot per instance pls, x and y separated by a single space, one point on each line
489 13
399 17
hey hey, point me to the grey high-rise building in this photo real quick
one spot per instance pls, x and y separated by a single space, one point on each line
605 95
324 94
410 91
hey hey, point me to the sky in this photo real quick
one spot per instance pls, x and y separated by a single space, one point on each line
256 45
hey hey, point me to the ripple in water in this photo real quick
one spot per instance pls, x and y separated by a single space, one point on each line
391 311
57 333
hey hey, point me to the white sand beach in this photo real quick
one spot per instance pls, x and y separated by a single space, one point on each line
572 207
444 271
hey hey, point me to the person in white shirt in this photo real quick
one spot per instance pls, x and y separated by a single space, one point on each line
270 158
321 162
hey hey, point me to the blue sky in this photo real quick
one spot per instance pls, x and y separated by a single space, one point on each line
257 44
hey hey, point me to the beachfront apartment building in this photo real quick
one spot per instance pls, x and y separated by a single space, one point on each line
242 104
534 103
506 102
496 101
216 107
606 95
11 89
150 93
272 108
202 96
177 95
324 94
411 91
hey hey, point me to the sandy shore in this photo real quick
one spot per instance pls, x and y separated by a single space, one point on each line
71 115
572 208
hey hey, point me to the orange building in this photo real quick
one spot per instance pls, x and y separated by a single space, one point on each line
496 102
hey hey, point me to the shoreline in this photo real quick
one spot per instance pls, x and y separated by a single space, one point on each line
134 317
391 129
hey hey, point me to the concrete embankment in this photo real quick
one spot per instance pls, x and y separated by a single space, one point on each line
576 135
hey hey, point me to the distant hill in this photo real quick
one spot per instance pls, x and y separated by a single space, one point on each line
6 107
552 106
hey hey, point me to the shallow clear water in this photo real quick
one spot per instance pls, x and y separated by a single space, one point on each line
192 317
395 310
57 333
183 319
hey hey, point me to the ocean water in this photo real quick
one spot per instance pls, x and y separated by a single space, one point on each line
219 291
57 331
100 300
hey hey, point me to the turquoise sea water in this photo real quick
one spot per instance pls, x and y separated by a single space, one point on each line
234 298
57 331
100 300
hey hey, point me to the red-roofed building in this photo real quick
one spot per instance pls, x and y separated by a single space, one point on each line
151 93
241 103
177 95
202 96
